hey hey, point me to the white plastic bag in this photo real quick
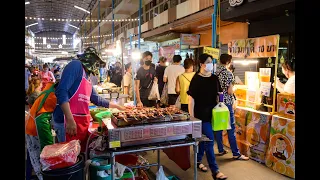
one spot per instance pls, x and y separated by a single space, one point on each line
154 93
178 103
164 95
161 175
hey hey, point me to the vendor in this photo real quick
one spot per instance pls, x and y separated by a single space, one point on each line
288 69
74 94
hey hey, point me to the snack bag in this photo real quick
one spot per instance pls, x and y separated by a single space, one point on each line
60 155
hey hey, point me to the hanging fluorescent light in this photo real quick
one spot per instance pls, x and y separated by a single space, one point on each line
245 62
27 2
31 25
64 39
82 9
44 39
73 26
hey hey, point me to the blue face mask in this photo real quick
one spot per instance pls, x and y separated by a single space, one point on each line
209 67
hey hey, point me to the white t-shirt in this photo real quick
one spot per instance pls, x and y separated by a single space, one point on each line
172 72
289 87
127 81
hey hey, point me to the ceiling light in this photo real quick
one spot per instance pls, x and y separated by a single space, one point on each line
82 9
27 3
73 26
31 25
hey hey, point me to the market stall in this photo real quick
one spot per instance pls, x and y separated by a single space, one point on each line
260 129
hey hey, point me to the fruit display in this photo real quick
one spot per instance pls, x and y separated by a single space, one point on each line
286 105
281 151
257 135
148 115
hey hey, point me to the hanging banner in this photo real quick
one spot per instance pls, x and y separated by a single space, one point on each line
214 52
261 47
190 39
167 52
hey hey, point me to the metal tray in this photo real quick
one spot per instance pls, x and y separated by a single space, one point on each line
133 121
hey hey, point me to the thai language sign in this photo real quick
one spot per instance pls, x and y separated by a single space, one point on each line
190 39
214 52
261 47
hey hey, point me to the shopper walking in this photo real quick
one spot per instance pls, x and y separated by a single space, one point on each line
183 82
116 76
160 72
46 76
34 90
127 81
227 81
203 95
170 76
145 77
27 78
74 93
288 69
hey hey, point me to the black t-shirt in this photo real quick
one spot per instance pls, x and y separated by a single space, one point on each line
159 75
146 79
204 91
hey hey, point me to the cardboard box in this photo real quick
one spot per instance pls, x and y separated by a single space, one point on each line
281 151
286 105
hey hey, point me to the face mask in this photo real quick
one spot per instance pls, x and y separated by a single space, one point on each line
209 67
147 63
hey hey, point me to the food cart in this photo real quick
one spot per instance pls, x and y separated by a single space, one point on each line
258 132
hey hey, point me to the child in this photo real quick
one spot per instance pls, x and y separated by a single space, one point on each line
34 90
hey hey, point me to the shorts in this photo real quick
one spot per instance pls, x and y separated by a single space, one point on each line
172 98
184 107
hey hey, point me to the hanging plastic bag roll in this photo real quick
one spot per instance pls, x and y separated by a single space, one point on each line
220 116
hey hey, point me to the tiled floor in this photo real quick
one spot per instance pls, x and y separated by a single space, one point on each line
235 170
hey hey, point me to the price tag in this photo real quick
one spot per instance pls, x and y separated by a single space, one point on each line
114 144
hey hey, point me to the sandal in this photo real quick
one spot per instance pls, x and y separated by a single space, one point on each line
219 176
202 167
241 157
223 152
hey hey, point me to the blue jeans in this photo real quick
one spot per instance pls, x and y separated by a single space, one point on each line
207 146
231 135
60 131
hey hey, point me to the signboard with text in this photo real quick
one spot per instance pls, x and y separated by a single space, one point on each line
167 51
190 39
261 47
214 52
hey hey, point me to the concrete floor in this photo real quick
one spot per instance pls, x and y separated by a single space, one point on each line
235 170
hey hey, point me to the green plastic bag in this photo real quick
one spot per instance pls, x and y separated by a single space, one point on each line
220 117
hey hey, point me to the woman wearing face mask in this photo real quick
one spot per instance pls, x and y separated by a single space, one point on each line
203 97
288 69
46 76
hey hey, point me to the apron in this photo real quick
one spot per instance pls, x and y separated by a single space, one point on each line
45 78
79 106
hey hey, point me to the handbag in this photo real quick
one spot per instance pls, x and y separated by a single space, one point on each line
178 103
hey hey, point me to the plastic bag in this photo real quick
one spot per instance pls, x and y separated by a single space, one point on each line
164 96
161 175
154 92
60 155
178 103
220 117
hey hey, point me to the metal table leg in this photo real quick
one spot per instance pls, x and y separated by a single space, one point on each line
112 165
195 151
158 152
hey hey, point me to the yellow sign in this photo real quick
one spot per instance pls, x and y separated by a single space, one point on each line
214 52
114 144
261 47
